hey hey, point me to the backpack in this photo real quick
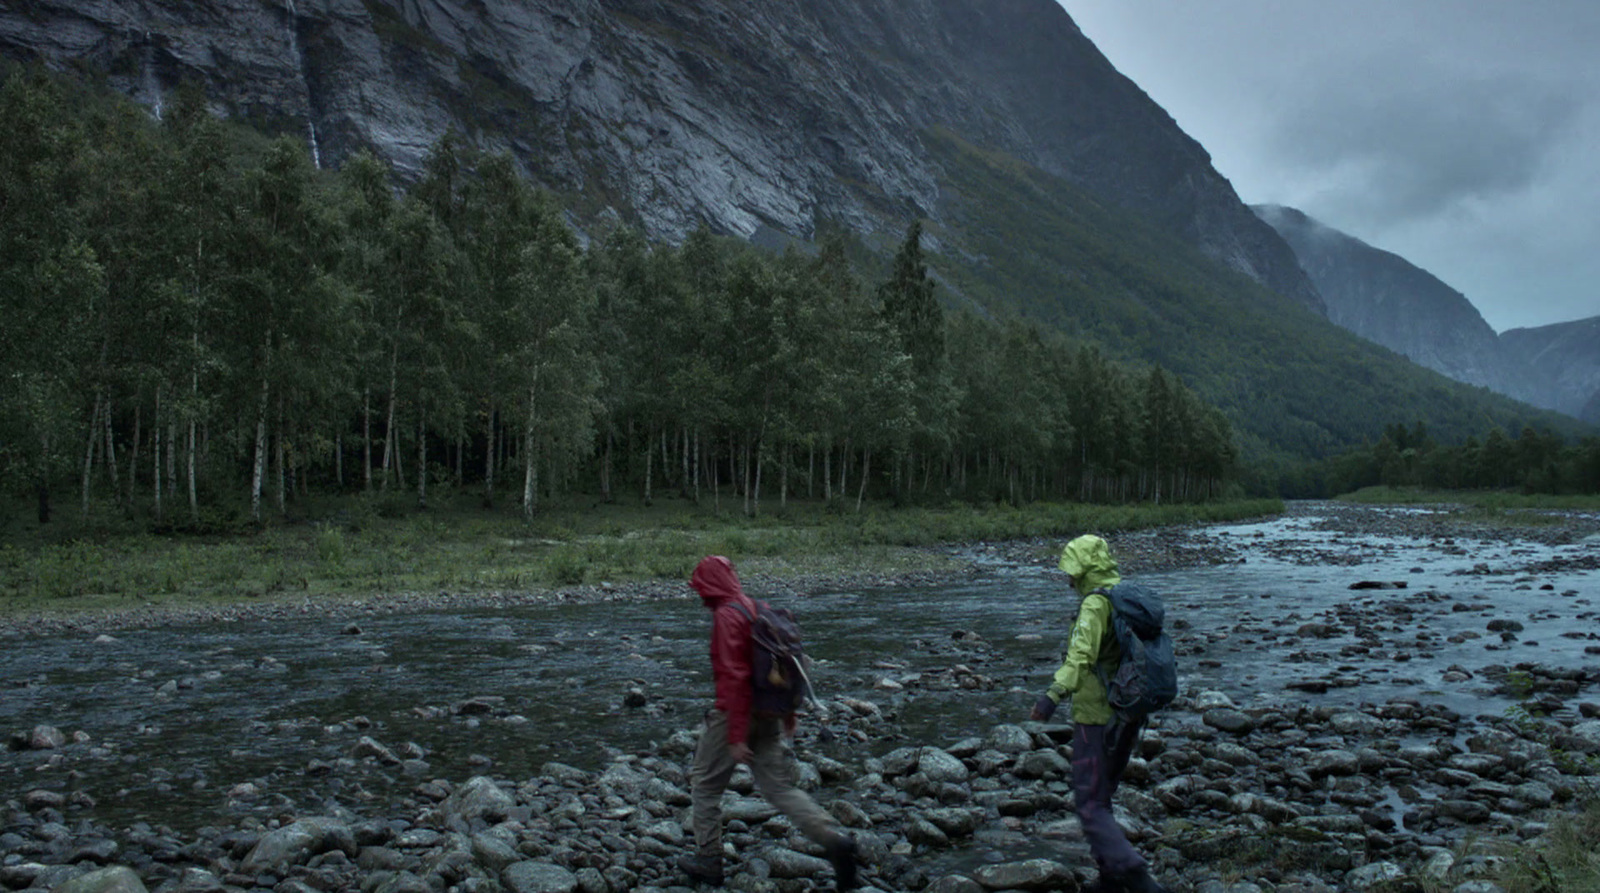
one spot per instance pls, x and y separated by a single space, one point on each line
778 660
1146 678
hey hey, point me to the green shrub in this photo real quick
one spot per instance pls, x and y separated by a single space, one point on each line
331 547
566 566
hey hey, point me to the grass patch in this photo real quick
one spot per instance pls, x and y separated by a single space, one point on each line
1486 500
1566 859
360 546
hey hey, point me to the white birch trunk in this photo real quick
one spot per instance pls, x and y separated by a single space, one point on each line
88 453
422 457
155 453
488 461
259 470
133 452
366 439
191 448
649 460
389 444
866 472
279 454
530 465
111 453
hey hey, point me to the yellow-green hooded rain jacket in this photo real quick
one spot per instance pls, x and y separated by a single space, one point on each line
1088 560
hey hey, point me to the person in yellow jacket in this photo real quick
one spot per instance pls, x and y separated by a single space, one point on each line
1101 746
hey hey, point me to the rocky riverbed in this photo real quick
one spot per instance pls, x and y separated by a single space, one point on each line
1296 782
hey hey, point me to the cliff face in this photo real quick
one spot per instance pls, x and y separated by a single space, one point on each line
776 115
1385 299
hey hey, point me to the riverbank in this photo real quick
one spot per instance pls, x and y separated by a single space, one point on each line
1139 539
598 553
351 551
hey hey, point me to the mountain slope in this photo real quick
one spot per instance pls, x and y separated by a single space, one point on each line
747 116
1292 383
1387 300
1565 356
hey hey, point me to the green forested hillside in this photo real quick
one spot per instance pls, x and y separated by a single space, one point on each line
201 325
1294 385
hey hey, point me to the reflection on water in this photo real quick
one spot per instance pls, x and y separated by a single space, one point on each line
187 713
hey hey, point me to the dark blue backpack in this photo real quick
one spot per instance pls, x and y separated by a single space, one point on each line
1146 678
778 661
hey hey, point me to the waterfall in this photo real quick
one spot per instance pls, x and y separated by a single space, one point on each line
151 86
300 66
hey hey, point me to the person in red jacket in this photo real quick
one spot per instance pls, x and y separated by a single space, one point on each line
736 733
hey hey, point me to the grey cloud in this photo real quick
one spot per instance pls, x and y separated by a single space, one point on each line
1422 141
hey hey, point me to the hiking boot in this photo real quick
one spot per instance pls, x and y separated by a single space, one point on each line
702 869
842 853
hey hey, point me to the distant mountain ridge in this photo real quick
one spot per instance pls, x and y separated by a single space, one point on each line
1390 301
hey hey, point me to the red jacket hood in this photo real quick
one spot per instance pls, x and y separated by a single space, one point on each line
716 582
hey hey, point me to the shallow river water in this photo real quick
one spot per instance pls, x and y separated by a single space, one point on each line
195 724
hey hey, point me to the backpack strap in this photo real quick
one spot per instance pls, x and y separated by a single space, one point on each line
1110 634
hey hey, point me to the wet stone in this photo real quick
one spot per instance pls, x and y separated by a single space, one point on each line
1234 722
539 877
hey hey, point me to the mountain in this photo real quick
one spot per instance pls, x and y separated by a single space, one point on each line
1050 185
1388 300
777 115
1566 359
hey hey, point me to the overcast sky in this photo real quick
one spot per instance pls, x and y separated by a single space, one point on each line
1462 135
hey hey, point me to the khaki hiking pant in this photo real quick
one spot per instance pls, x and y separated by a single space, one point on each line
713 766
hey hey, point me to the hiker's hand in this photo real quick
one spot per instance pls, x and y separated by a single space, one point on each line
1042 708
790 723
740 752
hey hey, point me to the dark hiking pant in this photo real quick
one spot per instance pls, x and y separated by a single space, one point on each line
1099 754
713 766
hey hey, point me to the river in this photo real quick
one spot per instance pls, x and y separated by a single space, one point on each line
194 724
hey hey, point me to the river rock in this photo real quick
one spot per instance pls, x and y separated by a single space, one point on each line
478 798
401 882
298 841
1236 722
786 863
116 879
954 883
1045 764
366 746
493 852
1372 874
1585 737
1334 762
1032 874
922 832
1359 724
1009 739
539 877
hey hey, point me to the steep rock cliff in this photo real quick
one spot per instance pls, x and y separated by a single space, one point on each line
777 115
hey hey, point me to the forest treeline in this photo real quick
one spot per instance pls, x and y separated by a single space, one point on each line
195 317
1534 462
